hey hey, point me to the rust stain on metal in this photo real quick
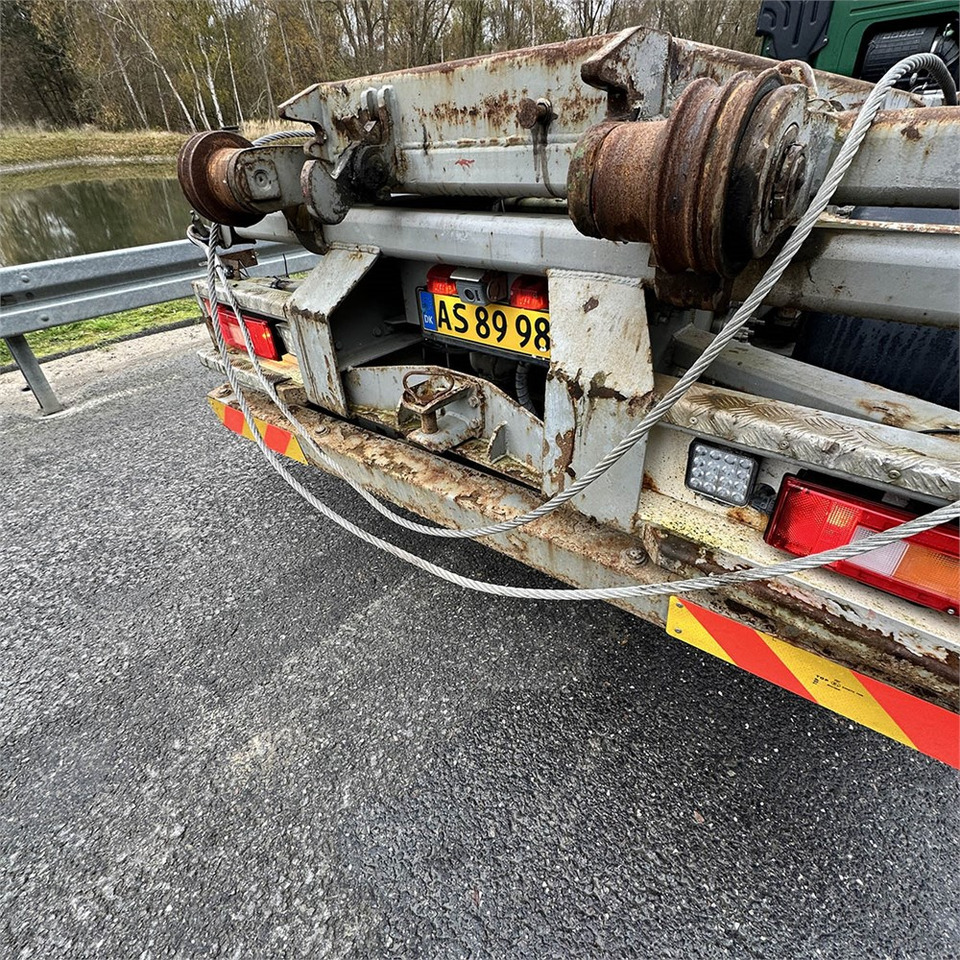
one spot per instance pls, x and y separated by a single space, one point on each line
912 124
688 59
576 110
832 221
510 61
776 608
756 519
564 442
476 451
498 109
894 414
598 390
347 126
450 113
640 403
693 290
572 384
590 304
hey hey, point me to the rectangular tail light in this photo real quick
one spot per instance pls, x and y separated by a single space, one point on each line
924 568
530 293
440 281
261 333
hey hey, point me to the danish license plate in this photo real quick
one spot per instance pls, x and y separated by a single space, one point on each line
498 325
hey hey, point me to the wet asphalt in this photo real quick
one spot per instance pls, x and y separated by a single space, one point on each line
229 730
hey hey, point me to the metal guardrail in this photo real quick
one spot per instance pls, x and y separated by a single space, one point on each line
52 293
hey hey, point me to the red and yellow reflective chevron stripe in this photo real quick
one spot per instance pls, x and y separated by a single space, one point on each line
276 438
925 727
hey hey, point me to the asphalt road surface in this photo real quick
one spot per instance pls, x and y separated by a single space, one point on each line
228 729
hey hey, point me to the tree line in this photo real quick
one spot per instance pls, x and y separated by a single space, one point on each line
200 64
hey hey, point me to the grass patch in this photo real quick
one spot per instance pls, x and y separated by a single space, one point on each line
105 330
29 145
34 146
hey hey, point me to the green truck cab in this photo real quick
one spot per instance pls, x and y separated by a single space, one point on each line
860 38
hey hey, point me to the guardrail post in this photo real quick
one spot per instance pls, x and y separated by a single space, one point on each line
30 368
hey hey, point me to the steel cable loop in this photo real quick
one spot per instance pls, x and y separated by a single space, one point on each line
845 156
282 135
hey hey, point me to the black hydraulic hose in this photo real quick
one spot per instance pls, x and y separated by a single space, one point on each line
522 387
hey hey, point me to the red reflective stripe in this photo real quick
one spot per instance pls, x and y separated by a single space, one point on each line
276 438
748 650
933 730
233 419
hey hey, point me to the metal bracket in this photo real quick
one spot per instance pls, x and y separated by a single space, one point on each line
237 261
449 412
631 68
365 169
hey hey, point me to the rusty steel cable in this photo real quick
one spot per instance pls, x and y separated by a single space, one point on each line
845 156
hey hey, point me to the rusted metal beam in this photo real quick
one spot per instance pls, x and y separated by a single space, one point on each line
744 367
906 272
910 158
865 452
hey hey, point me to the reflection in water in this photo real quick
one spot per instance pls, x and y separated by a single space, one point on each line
66 219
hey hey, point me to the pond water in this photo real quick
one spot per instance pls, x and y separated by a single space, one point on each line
63 213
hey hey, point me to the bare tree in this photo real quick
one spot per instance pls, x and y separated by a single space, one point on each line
129 14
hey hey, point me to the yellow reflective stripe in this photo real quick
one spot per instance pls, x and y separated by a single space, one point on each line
829 684
837 688
293 450
683 624
218 406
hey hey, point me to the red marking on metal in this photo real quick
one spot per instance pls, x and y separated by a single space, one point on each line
465 162
748 651
933 730
276 438
233 419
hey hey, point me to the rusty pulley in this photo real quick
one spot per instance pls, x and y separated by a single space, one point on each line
203 169
711 187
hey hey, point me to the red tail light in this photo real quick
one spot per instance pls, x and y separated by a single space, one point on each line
530 293
925 568
261 334
439 282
